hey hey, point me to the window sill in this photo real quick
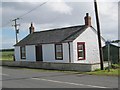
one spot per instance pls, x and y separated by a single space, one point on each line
58 59
80 59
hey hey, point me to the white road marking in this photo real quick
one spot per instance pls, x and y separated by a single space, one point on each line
69 83
4 74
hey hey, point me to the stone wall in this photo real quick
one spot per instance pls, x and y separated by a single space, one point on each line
54 66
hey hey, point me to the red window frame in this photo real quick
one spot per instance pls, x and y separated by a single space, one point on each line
83 50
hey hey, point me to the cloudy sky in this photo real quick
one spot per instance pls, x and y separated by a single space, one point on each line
55 14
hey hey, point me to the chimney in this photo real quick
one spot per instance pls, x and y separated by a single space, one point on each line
87 20
31 28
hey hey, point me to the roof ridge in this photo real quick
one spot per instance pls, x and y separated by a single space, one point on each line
54 35
75 32
59 28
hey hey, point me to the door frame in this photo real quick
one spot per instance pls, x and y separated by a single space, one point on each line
38 49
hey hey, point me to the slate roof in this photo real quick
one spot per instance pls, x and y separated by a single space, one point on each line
114 45
59 35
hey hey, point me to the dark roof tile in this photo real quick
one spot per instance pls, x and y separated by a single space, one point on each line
52 36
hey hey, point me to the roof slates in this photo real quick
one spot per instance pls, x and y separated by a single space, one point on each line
55 35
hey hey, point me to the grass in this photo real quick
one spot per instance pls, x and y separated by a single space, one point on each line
50 70
114 66
6 55
98 72
113 72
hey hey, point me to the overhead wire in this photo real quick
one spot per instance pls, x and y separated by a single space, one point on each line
6 24
21 16
32 9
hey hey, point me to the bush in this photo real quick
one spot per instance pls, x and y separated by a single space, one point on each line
97 69
115 66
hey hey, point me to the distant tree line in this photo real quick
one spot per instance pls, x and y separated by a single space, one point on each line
6 50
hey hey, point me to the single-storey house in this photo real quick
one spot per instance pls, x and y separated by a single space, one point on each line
75 44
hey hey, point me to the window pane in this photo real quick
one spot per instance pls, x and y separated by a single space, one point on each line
80 47
23 53
59 53
81 52
58 48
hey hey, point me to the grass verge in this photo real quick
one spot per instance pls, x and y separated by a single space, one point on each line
6 55
112 72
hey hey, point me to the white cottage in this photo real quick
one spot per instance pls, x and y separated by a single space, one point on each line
75 44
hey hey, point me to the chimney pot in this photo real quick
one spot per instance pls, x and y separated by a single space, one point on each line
31 28
87 14
87 20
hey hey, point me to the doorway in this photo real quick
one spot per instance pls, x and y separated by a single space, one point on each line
39 56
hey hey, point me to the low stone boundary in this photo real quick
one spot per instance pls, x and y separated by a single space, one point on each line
54 66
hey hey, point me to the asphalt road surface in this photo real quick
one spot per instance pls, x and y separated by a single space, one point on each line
29 78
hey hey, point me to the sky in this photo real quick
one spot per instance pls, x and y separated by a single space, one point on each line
55 14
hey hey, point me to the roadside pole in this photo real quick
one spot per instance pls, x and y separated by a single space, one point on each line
108 47
16 29
99 35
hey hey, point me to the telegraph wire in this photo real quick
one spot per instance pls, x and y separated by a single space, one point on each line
32 10
6 24
20 17
35 9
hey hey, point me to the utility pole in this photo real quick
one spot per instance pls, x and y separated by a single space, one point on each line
16 29
99 36
108 50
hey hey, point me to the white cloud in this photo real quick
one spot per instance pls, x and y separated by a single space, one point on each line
108 16
64 0
38 27
23 0
0 14
7 43
60 6
41 27
108 0
109 9
57 14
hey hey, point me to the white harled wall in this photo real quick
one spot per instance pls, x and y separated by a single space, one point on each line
49 53
17 53
30 53
91 47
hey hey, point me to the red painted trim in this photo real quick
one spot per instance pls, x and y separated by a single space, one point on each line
84 52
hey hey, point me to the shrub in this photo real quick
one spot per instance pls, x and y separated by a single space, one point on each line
115 66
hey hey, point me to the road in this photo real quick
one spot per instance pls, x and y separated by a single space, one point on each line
31 78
